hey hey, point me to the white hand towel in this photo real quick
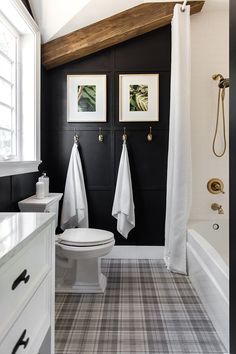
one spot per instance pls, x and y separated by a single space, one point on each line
123 205
74 208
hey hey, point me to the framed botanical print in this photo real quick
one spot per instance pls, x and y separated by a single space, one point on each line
139 97
86 98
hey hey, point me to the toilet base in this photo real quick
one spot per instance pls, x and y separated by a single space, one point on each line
84 277
84 288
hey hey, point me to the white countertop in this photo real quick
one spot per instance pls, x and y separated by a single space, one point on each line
17 229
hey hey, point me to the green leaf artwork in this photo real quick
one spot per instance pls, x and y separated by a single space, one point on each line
138 97
86 98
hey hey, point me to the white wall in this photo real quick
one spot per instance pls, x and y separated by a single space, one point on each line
210 55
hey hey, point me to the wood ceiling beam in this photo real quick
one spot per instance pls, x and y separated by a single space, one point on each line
110 31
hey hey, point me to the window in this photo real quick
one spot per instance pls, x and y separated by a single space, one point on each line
9 47
19 90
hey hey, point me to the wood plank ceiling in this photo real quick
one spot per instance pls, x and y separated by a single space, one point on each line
110 31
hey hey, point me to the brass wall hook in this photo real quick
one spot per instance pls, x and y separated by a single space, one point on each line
124 136
149 136
76 137
100 136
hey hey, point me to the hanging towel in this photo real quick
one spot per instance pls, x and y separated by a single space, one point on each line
74 208
179 174
123 205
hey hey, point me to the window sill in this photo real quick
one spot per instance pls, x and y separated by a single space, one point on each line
10 168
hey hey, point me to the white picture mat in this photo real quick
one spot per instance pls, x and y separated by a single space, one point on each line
152 81
73 81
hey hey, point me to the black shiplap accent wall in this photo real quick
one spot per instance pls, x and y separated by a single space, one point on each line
15 188
149 53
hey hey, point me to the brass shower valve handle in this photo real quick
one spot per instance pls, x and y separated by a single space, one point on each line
215 186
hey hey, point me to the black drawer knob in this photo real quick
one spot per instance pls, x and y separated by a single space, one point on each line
21 342
22 278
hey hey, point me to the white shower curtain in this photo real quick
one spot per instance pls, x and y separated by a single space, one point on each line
179 172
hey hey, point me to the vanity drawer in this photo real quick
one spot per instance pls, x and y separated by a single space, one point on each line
20 277
32 325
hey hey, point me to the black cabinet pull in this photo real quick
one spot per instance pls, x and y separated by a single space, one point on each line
21 342
22 277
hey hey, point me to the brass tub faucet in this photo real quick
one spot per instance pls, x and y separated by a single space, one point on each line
218 207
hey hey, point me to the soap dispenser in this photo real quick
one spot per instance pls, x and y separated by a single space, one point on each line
45 179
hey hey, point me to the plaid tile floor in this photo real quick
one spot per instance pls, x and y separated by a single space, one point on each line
145 309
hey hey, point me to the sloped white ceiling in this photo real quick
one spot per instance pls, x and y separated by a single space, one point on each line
52 15
59 17
95 11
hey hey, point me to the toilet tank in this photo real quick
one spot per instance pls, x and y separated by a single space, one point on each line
49 204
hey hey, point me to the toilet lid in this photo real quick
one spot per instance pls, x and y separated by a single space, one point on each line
85 237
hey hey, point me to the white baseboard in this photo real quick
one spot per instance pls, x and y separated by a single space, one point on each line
136 252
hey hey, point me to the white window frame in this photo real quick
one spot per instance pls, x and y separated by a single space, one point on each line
28 115
16 104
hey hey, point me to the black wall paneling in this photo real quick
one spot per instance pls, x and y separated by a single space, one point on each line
6 195
15 188
149 53
232 132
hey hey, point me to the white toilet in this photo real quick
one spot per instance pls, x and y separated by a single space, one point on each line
85 247
78 263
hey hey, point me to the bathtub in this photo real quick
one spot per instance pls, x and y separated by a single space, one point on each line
208 269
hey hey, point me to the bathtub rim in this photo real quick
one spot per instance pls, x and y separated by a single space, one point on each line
211 261
214 255
214 301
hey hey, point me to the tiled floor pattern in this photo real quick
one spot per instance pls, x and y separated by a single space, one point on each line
145 309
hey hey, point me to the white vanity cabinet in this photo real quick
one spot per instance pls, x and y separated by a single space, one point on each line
27 273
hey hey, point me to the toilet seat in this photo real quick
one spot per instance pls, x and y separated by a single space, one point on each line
87 250
85 237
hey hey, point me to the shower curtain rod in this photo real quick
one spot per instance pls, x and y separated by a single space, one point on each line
184 5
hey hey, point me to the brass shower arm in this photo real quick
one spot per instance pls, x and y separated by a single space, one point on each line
223 82
217 76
